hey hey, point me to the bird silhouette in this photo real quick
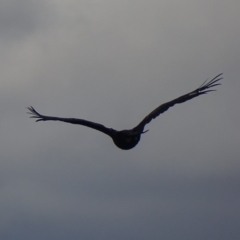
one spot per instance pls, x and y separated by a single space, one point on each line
128 139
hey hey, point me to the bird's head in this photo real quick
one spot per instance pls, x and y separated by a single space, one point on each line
126 139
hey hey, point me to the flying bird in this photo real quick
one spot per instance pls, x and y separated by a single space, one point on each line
128 139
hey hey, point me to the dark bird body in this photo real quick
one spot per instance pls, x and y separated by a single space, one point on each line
128 139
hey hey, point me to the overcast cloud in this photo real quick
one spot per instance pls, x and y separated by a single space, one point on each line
113 62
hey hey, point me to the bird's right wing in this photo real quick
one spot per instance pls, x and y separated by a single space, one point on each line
83 122
203 89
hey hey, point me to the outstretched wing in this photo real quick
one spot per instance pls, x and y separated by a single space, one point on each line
203 89
83 122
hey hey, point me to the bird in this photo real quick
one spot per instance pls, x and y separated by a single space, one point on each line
128 139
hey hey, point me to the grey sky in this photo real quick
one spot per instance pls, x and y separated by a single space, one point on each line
113 62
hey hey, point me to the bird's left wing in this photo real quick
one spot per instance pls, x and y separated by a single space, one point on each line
203 89
83 122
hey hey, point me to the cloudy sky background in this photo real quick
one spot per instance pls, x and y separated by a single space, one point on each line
113 62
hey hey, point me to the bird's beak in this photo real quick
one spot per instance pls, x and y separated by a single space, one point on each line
144 131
